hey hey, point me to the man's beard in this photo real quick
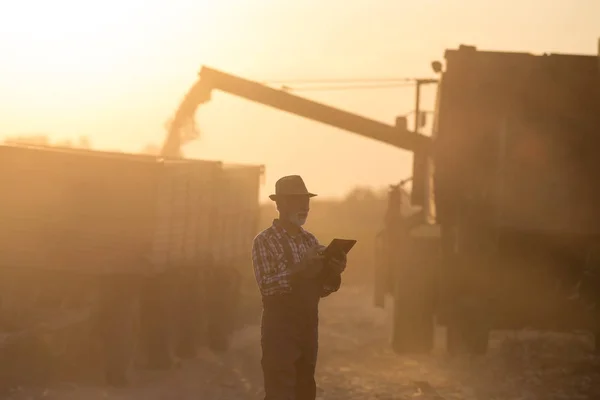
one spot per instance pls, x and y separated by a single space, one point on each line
298 219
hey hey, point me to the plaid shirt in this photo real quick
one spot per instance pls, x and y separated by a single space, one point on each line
270 264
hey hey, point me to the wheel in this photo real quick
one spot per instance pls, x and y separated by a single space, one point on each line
466 337
468 319
119 312
412 326
414 294
470 279
157 322
222 288
187 313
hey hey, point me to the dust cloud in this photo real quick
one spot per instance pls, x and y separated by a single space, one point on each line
356 360
129 275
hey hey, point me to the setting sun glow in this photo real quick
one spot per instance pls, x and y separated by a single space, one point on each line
116 70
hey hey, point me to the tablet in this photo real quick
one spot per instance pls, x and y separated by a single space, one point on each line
339 245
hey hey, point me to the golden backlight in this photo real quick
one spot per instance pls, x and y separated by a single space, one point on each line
115 70
75 42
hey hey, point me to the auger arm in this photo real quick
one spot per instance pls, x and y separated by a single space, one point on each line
211 79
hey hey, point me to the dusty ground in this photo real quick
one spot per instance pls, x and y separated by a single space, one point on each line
356 363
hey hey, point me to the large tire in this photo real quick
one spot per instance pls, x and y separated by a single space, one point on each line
119 322
157 322
471 279
468 322
465 335
188 312
223 295
413 325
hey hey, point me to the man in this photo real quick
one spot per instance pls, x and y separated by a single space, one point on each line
292 276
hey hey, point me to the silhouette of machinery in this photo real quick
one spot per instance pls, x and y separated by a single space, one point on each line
505 241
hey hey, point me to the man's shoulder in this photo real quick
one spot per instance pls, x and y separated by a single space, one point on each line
266 234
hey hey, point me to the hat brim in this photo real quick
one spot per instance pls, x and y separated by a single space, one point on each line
275 196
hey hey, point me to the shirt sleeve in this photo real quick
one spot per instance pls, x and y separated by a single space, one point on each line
271 273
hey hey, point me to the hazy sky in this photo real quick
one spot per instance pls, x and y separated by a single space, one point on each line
115 70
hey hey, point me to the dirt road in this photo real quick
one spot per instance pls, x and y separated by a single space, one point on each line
356 363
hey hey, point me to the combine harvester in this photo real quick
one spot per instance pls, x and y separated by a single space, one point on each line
509 227
515 236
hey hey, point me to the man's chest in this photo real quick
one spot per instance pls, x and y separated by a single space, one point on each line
294 247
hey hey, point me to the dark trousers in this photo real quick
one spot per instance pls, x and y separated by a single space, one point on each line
289 353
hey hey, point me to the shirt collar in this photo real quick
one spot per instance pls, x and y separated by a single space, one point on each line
280 230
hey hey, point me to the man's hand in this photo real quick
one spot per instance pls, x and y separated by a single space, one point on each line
312 262
314 253
338 263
